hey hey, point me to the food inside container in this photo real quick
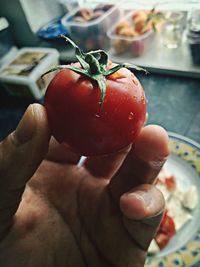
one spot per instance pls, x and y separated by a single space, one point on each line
135 32
21 76
88 26
89 14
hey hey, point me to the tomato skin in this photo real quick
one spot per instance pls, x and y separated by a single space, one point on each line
170 183
162 240
166 230
167 225
77 119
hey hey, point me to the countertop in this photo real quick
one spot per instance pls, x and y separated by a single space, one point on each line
173 102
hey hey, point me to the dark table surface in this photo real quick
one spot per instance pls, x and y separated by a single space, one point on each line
173 102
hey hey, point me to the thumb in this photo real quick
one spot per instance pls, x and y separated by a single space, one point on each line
142 208
20 155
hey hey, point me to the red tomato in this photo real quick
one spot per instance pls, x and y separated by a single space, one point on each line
170 183
167 225
77 119
162 240
166 231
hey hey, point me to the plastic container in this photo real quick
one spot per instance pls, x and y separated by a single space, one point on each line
91 35
135 46
21 75
193 35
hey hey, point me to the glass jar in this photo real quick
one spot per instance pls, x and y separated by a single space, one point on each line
172 30
193 35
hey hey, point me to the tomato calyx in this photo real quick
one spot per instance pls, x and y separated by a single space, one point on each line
94 66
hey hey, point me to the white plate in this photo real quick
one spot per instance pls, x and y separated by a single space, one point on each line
184 247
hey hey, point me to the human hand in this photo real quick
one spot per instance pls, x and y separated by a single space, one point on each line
104 213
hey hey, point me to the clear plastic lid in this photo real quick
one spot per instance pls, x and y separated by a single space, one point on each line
68 21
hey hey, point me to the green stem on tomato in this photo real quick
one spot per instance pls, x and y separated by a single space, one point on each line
94 66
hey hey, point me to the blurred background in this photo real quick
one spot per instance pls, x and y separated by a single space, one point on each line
161 36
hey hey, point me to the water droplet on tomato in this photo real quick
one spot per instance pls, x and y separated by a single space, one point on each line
135 81
143 99
97 115
131 116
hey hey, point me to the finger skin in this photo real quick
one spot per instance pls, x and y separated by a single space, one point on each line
106 166
61 153
146 146
144 201
143 162
20 155
142 208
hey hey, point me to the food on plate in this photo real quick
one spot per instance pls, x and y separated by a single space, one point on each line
179 206
95 106
166 230
135 30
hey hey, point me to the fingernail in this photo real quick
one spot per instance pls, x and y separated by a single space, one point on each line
143 196
25 128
